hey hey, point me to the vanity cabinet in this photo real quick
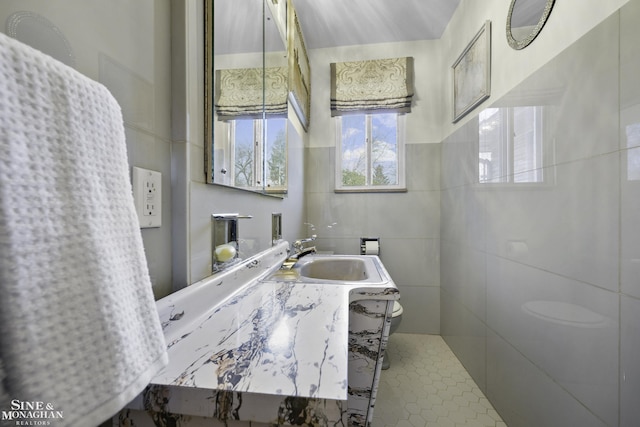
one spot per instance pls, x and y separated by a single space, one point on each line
272 351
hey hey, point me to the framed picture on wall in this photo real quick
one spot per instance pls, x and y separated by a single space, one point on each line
472 74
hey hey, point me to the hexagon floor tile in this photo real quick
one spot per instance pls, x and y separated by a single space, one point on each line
427 386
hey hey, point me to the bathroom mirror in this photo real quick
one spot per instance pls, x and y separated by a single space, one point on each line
525 20
246 89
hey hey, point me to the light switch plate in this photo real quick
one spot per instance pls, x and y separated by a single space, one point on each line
147 194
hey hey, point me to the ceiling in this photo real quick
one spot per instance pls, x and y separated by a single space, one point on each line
330 23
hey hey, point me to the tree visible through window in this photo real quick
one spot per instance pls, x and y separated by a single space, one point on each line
260 155
244 153
370 154
276 153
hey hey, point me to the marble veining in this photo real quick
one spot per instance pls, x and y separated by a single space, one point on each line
369 322
189 407
272 337
246 345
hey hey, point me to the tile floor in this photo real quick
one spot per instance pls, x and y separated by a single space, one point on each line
427 386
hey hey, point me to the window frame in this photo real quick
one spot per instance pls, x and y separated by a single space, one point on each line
259 165
401 167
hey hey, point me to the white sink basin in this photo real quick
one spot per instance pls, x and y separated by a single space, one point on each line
340 268
335 269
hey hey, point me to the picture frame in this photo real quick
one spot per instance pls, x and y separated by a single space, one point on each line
471 74
299 69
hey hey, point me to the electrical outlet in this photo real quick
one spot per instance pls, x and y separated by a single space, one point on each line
147 194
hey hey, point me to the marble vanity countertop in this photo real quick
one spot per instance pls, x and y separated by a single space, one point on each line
263 336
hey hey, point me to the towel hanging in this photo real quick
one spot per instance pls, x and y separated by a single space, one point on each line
79 329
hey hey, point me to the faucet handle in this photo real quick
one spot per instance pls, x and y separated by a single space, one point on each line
308 239
299 244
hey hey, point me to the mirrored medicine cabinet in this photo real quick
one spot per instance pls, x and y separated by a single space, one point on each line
246 94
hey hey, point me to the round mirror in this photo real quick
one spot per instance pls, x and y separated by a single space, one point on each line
525 20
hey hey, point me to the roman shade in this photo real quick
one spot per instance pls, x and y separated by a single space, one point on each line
379 84
239 92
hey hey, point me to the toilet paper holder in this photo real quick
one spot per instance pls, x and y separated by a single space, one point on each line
369 251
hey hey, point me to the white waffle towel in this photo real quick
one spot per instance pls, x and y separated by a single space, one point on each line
79 329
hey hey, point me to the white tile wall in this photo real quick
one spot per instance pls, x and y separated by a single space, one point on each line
569 228
540 291
525 396
567 329
629 373
406 223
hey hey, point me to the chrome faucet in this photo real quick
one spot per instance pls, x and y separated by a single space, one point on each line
298 250
298 245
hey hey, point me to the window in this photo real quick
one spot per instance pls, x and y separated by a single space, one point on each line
511 145
259 154
633 153
370 153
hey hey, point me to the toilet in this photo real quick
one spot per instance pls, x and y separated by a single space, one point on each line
396 318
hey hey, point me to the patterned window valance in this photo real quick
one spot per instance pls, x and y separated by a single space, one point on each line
381 84
239 92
